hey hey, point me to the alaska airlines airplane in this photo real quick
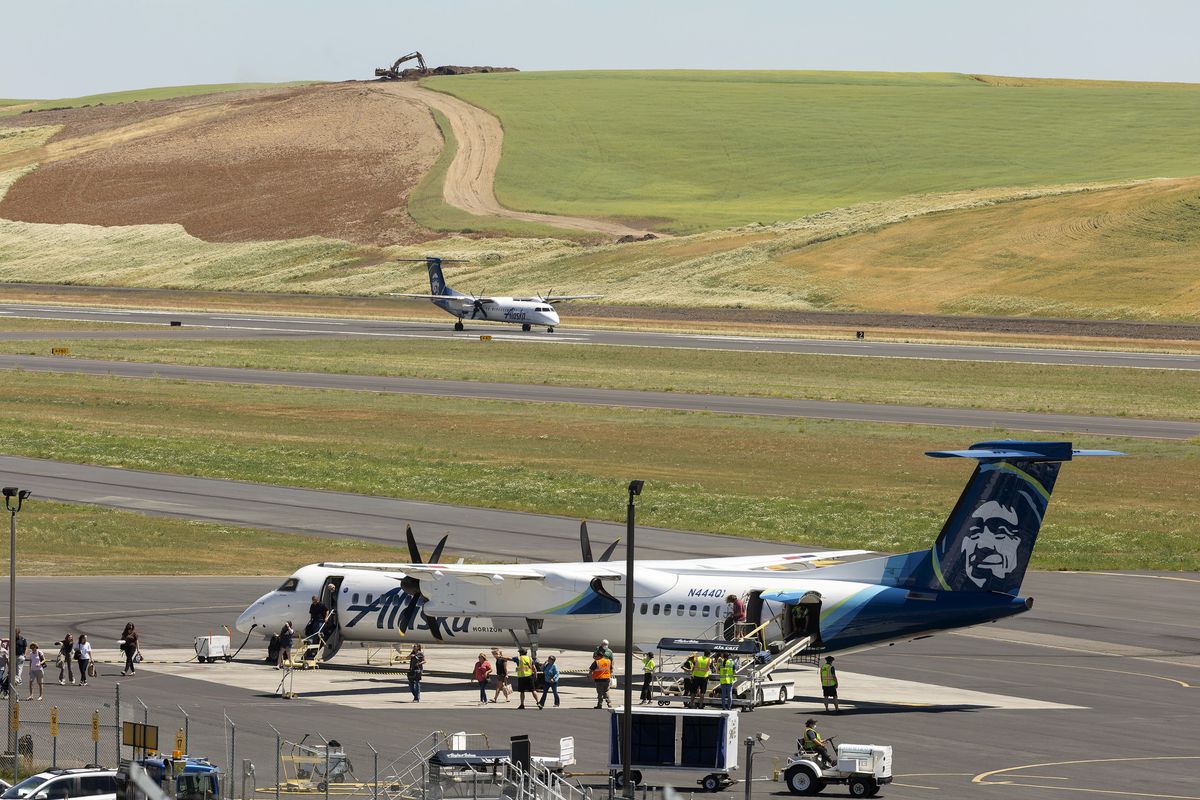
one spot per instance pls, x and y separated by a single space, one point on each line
523 311
972 574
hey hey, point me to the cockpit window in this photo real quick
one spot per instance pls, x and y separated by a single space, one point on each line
289 585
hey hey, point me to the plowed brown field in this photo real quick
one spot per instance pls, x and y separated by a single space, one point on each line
335 160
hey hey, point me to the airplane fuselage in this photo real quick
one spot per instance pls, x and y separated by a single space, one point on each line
576 609
513 310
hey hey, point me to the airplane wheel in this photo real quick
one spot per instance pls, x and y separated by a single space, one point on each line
527 327
549 330
458 326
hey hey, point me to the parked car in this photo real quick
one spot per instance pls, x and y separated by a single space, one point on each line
61 784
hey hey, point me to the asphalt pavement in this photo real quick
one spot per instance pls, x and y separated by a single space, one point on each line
1111 682
249 326
541 393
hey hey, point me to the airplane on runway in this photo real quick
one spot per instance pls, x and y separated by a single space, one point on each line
972 574
523 311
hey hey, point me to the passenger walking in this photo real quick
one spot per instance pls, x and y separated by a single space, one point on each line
37 671
20 648
525 674
287 635
130 646
829 685
549 682
83 654
416 669
501 675
727 675
647 679
601 673
735 615
66 654
316 617
481 673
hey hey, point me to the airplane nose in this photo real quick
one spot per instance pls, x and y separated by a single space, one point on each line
246 621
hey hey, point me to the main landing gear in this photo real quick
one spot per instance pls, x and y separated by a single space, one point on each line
527 327
458 326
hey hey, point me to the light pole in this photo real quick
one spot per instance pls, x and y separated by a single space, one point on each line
11 492
635 489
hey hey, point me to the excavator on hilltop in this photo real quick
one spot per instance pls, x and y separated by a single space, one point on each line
392 73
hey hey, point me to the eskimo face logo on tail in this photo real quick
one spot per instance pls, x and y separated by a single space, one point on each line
990 548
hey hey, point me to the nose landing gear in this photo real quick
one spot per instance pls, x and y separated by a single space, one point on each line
550 330
458 326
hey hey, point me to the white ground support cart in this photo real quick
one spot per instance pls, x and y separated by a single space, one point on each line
210 648
677 740
863 768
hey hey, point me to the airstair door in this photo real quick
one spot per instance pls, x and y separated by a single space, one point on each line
332 632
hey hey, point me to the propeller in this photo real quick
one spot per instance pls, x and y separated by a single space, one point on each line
585 545
412 586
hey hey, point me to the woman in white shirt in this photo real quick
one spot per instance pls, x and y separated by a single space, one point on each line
83 652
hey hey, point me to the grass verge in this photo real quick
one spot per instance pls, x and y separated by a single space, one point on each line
828 483
1161 394
137 95
70 539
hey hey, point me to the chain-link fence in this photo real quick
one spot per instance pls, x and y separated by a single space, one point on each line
256 760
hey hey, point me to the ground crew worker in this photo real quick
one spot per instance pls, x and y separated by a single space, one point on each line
601 674
701 669
811 742
524 675
829 684
647 678
726 672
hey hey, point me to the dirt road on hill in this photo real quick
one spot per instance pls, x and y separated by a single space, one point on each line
470 180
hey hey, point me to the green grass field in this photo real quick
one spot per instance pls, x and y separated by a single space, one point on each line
822 483
70 539
1166 394
137 95
693 150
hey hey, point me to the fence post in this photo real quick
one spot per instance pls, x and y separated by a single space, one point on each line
232 752
186 720
374 772
117 689
278 756
326 766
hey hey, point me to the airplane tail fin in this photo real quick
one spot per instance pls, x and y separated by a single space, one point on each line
986 543
437 282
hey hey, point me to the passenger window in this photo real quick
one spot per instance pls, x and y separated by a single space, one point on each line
656 609
644 607
667 609
704 611
59 790
354 598
369 598
692 611
289 585
97 784
679 611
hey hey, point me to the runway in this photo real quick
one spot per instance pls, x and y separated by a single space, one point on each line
984 714
249 326
516 392
474 532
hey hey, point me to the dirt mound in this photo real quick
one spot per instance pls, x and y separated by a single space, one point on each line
416 74
335 160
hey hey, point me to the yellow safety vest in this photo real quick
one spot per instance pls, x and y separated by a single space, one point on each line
700 667
827 676
811 738
648 665
524 666
727 672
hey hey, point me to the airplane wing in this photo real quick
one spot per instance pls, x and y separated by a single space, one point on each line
482 576
463 297
562 298
777 562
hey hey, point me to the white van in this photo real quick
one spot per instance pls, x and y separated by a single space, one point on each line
66 784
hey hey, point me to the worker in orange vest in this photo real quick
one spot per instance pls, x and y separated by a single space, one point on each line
601 672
